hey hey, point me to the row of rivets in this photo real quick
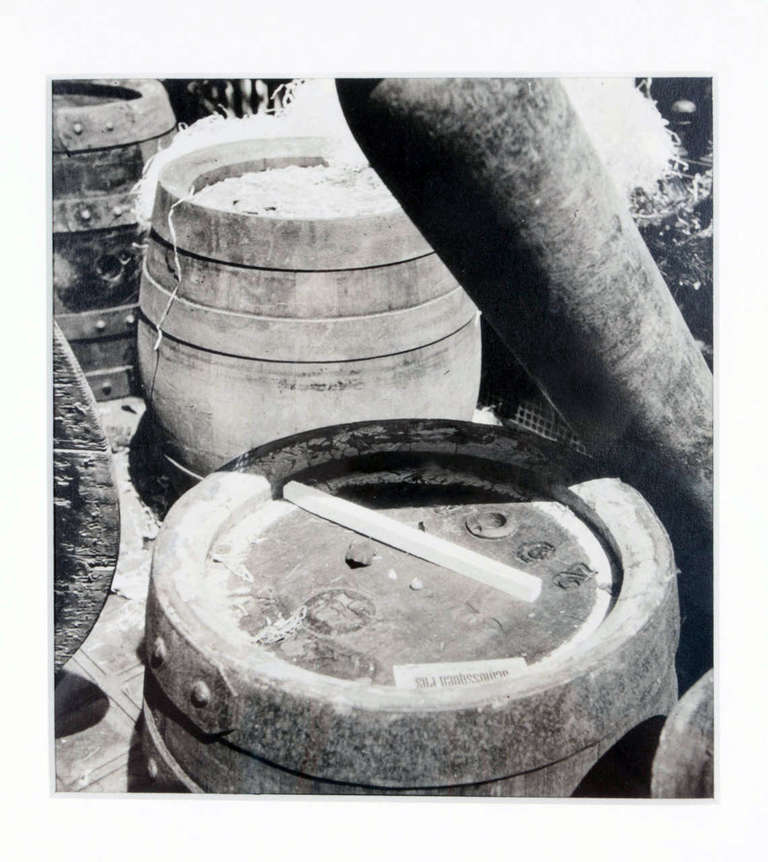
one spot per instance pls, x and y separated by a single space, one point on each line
200 694
77 128
85 214
101 324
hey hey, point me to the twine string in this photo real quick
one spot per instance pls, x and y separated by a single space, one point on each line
177 266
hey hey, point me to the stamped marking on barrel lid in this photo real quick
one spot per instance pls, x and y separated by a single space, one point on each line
457 674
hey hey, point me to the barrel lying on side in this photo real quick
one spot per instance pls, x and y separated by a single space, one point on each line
103 134
86 521
273 325
282 661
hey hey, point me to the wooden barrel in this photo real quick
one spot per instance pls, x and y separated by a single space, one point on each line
683 767
271 326
288 654
103 134
86 518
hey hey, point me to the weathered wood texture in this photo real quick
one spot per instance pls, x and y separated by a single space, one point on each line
104 132
321 709
502 180
271 326
683 767
85 506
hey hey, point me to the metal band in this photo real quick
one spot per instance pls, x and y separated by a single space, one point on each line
91 213
100 323
137 110
290 339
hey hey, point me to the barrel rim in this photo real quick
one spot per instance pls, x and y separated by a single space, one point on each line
643 619
148 115
337 242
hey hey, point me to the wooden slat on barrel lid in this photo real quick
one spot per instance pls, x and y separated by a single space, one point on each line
399 672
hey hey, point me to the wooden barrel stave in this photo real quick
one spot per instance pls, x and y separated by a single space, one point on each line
298 293
228 770
391 742
305 339
204 423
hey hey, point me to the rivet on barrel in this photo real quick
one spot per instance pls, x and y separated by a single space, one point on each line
77 128
130 319
152 769
117 211
106 387
101 325
200 694
159 652
110 126
85 214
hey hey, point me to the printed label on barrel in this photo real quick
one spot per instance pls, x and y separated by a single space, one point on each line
458 674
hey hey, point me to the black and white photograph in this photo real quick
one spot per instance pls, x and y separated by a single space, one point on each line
383 431
383 436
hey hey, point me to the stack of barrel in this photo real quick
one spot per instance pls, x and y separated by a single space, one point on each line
283 656
103 134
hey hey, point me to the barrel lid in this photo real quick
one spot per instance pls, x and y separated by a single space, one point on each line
415 674
335 243
92 114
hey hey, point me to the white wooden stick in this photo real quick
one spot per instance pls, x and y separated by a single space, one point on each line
516 583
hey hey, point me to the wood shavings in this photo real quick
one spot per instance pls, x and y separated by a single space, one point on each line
283 627
321 191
